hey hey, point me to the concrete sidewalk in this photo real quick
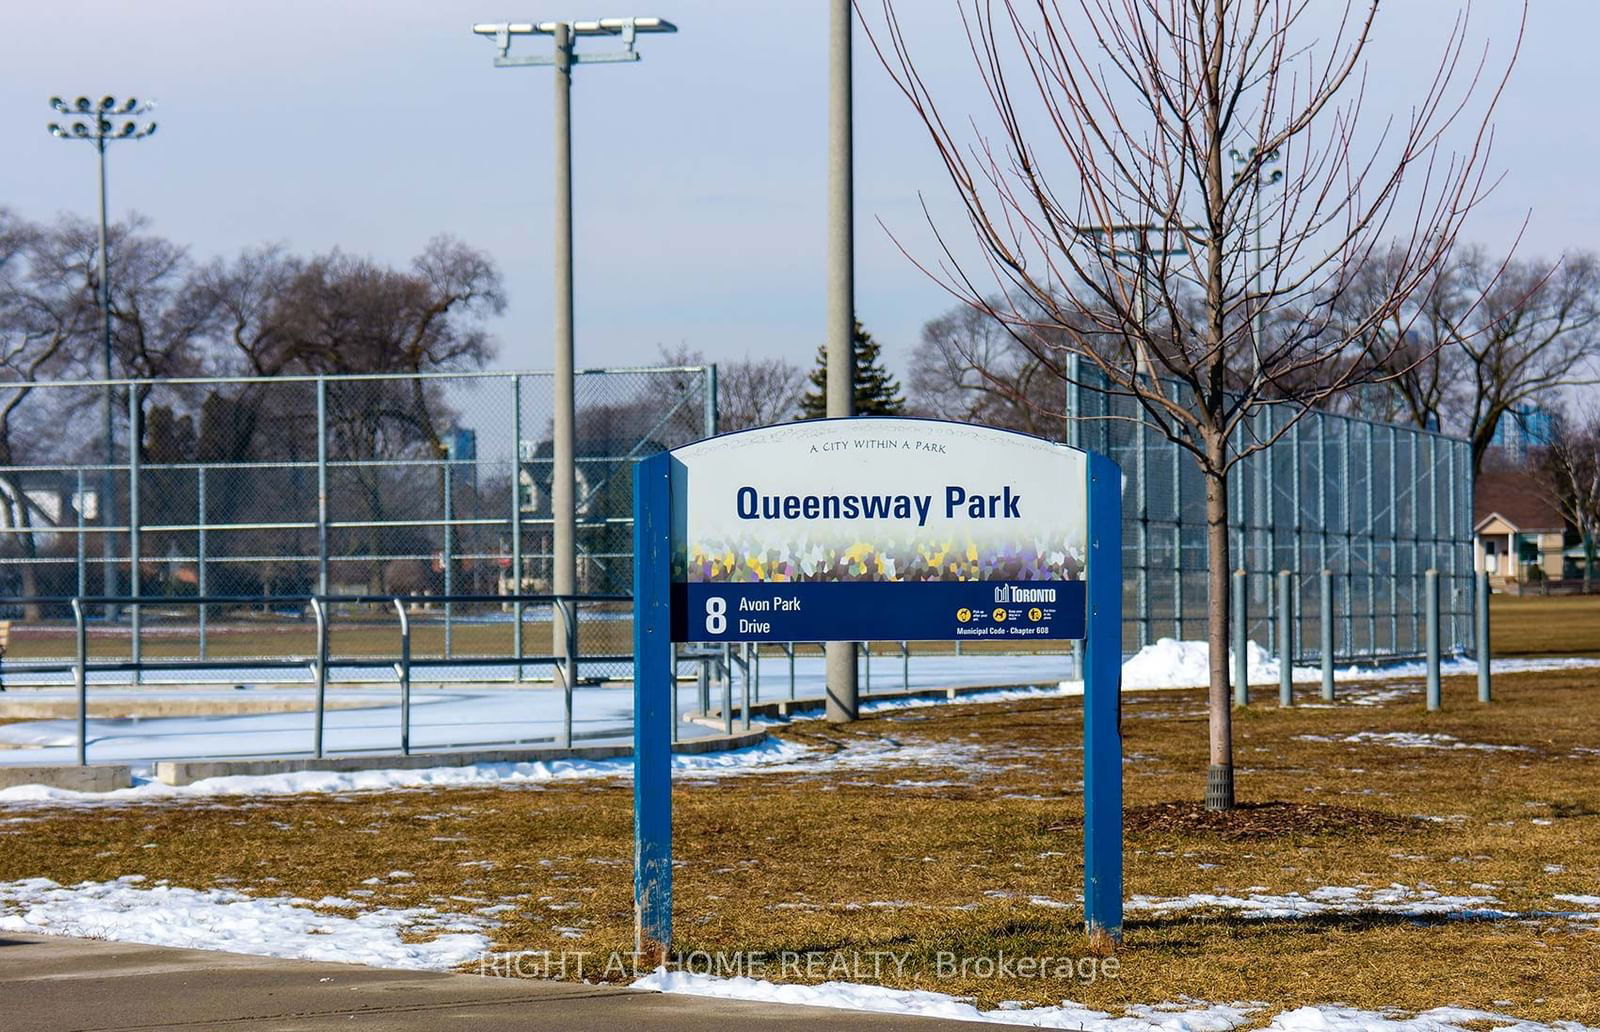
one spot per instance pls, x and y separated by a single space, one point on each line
50 984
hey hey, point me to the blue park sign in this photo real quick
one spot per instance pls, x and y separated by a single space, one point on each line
876 529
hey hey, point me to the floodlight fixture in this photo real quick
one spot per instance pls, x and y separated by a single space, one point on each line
625 28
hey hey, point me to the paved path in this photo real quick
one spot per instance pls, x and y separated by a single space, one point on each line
50 984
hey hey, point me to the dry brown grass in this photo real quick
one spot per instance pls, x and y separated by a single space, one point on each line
1560 625
950 854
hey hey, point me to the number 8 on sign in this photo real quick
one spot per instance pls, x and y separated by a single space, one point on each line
716 615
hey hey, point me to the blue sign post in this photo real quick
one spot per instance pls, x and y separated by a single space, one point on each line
876 529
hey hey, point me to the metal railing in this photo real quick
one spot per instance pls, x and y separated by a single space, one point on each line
566 674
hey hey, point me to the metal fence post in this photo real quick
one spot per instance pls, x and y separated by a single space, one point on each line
200 552
866 662
703 679
322 486
727 689
81 677
516 521
1295 531
1326 628
135 436
788 649
675 710
1430 607
1142 533
447 550
1241 638
1485 687
755 669
1394 541
567 609
905 666
322 672
83 557
746 656
711 400
1372 544
403 672
1285 638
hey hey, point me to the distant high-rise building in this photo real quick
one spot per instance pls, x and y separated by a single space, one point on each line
1522 429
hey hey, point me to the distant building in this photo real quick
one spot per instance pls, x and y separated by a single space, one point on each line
47 502
1519 533
1521 430
603 494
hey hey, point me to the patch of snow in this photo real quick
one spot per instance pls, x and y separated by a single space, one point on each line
1412 740
222 919
767 755
1170 663
1330 899
1439 1019
1189 1016
1582 901
854 996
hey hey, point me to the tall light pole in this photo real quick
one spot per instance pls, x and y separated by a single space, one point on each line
564 574
843 702
99 124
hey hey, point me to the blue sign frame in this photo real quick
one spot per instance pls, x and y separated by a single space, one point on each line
654 718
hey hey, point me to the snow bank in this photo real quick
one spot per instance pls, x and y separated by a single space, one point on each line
853 996
763 755
221 919
1191 1016
1169 663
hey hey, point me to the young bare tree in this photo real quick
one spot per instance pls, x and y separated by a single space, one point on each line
1100 192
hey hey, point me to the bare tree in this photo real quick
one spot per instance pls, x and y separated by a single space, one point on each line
1483 336
968 368
751 392
1572 466
756 392
1103 206
44 322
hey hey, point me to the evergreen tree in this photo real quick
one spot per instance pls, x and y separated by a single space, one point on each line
877 391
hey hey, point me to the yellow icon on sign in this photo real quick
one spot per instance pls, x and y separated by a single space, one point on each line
999 616
963 615
1036 614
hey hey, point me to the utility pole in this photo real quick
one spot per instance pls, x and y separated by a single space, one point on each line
564 517
85 120
844 701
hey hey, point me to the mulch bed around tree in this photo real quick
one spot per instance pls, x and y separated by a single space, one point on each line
1262 820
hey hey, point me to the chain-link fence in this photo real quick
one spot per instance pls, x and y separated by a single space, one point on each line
438 485
1376 504
434 484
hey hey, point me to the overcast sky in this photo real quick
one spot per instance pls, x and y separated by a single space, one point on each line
700 187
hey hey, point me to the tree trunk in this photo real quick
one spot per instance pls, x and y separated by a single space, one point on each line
1219 776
